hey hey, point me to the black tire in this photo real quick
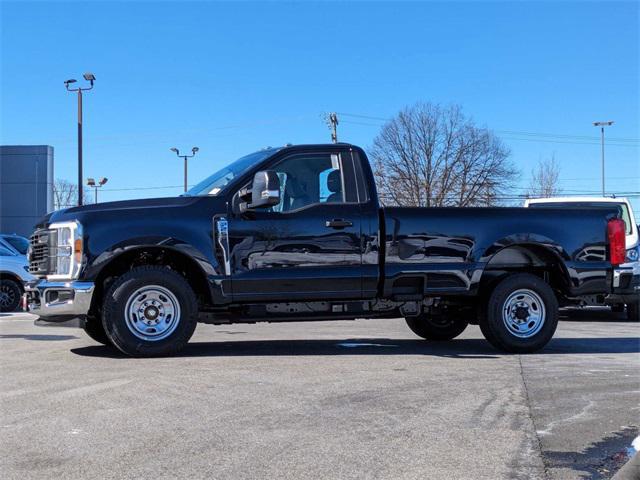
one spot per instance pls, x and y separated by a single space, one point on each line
10 295
495 330
118 326
438 328
94 328
617 308
633 312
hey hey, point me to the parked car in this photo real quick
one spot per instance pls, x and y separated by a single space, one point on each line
14 242
297 234
13 274
617 302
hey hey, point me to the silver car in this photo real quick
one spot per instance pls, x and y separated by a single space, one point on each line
14 272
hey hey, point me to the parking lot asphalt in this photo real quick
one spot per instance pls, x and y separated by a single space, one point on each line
320 400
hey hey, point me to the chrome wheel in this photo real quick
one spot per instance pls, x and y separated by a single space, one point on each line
152 313
523 313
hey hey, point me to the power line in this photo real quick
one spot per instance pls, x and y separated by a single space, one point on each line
510 195
561 138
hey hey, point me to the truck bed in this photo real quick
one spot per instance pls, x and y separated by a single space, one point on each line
429 250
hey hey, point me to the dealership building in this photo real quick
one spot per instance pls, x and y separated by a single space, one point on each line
26 186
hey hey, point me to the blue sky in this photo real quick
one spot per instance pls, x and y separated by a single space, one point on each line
234 77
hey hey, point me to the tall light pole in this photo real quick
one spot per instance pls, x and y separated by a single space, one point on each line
194 150
89 77
92 183
602 125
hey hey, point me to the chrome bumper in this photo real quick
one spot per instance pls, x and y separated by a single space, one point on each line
626 286
57 301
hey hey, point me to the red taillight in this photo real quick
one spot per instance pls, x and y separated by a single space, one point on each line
616 230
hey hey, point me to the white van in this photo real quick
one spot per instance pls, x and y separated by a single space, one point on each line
632 245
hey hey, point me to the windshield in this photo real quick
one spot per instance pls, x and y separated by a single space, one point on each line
21 244
623 210
216 183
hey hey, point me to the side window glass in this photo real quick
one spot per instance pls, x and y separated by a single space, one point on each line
306 179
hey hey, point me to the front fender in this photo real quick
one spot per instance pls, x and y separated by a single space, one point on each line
97 261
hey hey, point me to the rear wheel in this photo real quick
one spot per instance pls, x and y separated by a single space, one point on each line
633 312
10 294
150 311
521 314
439 328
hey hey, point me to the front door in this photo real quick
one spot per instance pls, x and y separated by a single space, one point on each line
308 246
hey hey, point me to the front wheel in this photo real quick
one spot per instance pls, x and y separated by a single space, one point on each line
150 311
94 328
521 314
10 294
439 328
633 312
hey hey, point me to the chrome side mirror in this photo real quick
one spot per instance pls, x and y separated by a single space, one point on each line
264 193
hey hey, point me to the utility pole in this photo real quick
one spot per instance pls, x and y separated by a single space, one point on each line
332 123
194 150
602 125
89 77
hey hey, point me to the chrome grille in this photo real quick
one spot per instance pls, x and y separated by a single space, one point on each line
40 246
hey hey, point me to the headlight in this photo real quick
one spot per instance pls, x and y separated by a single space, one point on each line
66 250
633 254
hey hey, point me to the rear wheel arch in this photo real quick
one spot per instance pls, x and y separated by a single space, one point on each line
536 259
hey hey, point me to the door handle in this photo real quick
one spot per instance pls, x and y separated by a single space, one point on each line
338 223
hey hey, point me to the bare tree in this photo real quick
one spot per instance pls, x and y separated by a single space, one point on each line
433 156
65 194
544 179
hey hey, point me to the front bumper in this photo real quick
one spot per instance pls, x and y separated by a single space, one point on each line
57 301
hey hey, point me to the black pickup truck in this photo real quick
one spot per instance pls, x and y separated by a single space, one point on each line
297 234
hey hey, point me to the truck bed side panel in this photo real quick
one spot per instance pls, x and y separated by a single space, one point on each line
448 248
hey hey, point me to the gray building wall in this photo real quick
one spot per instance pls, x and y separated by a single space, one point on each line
26 186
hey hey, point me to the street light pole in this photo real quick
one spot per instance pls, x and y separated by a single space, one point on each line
92 183
602 125
194 150
89 77
80 195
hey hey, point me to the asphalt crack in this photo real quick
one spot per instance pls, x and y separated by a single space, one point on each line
538 440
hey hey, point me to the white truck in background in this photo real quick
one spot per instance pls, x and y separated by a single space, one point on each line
616 302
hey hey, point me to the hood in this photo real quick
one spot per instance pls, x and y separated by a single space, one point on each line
113 208
163 202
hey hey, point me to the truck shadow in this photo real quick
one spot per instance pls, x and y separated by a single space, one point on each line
39 337
593 314
461 348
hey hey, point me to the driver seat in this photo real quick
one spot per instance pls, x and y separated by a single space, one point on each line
334 184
